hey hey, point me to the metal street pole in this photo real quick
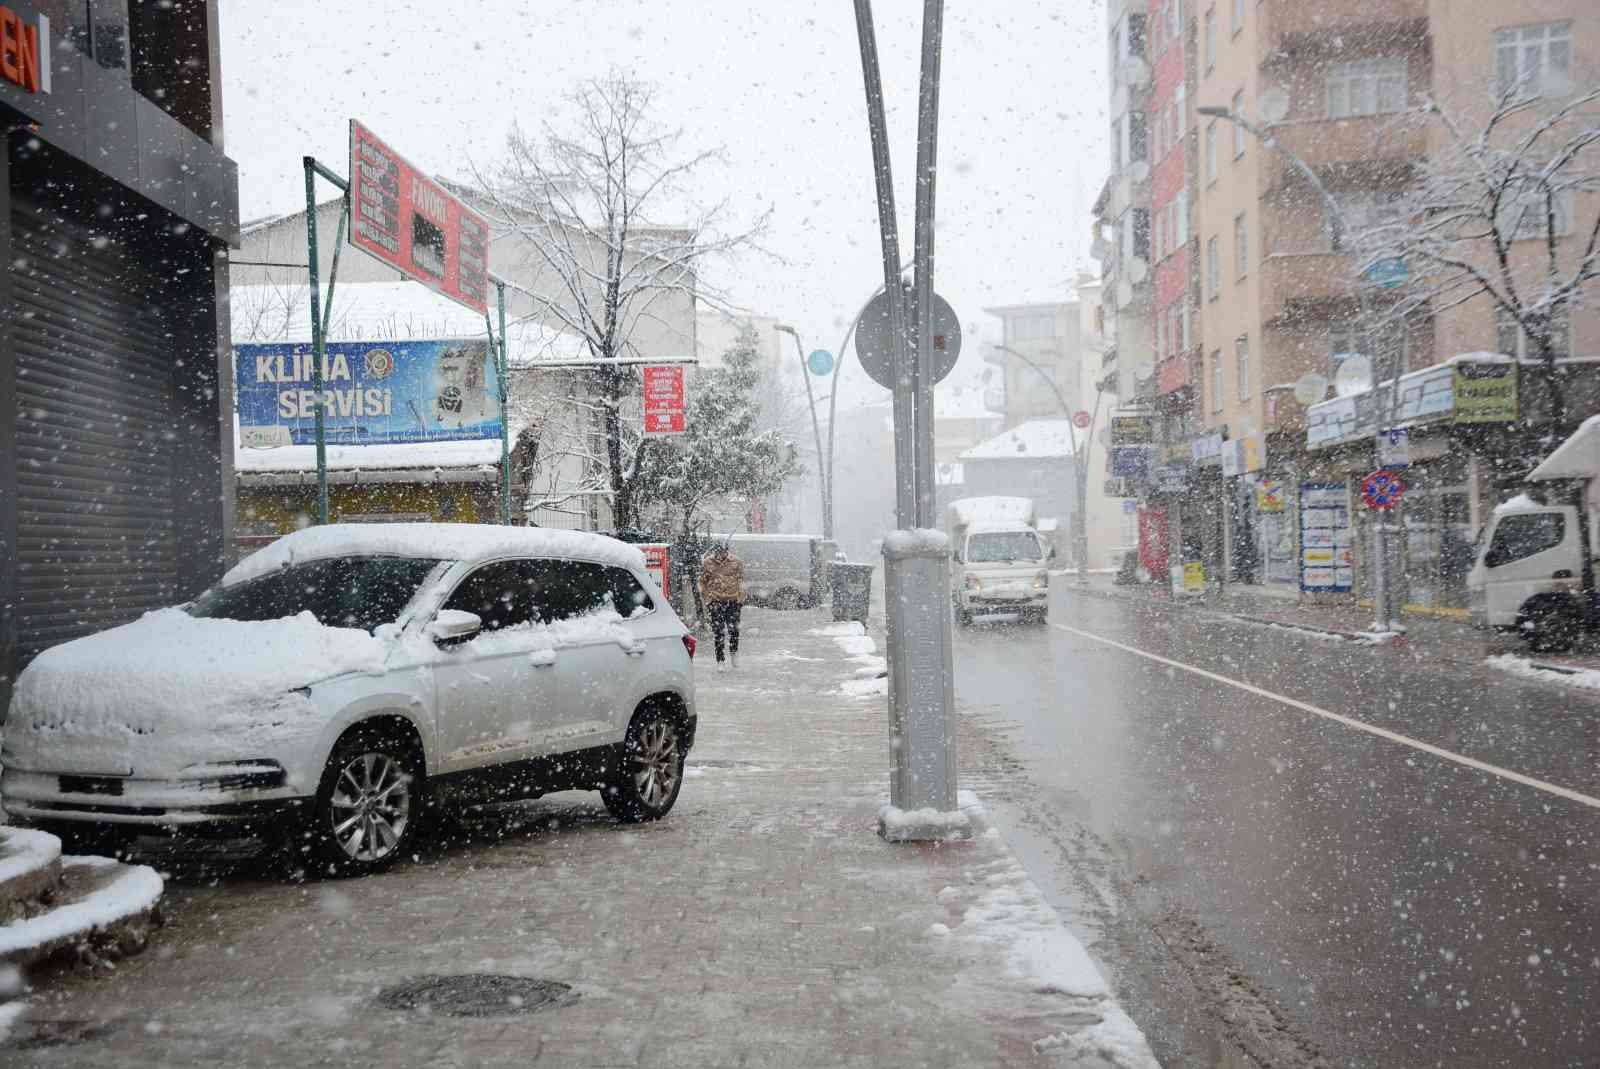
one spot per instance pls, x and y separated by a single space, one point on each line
922 726
1381 593
502 366
1080 462
877 128
816 429
317 341
922 255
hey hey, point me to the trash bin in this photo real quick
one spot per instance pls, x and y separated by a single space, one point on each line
852 590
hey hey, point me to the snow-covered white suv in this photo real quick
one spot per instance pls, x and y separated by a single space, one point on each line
341 677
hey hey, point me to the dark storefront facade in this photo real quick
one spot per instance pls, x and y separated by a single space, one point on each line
116 477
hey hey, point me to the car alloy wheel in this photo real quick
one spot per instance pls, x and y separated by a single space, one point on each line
655 764
371 806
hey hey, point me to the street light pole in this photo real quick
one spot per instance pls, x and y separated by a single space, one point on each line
1381 593
1080 462
824 476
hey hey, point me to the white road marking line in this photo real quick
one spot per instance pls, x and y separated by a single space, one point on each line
1350 722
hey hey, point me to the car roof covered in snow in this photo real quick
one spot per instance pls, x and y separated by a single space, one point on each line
433 541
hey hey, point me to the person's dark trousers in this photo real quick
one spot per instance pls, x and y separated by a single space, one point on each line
725 625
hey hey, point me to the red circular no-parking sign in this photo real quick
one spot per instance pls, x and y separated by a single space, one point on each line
1081 419
1382 490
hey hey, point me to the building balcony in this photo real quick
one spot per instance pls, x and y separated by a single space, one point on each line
1363 152
1175 373
1298 289
1293 31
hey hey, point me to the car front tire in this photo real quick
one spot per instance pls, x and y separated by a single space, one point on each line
369 803
649 768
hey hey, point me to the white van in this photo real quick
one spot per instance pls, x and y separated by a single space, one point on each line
998 558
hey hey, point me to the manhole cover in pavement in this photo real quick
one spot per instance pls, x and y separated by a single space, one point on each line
477 995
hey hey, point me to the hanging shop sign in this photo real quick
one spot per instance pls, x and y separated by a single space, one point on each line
410 222
663 400
1207 449
1171 478
1423 396
25 51
1241 456
1327 564
374 393
1132 430
1130 462
1394 448
1270 496
1485 393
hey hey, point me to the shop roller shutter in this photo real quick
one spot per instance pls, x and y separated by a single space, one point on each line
96 422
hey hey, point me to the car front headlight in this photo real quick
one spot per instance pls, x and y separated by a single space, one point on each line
974 583
1041 581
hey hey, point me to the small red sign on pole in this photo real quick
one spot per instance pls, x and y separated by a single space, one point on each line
1082 419
410 222
663 400
656 558
1382 490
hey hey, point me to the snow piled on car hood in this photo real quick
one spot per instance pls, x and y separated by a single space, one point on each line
158 693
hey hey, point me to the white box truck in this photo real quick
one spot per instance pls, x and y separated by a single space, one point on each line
1534 572
997 558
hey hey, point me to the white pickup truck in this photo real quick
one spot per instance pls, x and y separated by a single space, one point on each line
997 558
1535 568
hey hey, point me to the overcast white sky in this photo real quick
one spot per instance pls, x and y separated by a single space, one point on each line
1022 137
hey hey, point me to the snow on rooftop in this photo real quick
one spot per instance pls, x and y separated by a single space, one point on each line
991 509
386 311
390 456
1035 439
438 541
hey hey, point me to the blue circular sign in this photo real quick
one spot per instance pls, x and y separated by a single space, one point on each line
820 361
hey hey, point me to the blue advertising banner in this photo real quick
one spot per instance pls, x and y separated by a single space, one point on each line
376 392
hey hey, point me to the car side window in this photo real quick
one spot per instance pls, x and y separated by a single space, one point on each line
1519 537
628 595
503 594
567 588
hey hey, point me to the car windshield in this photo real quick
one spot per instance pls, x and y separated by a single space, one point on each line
994 546
361 592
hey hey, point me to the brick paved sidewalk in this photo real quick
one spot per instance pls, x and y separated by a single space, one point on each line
762 924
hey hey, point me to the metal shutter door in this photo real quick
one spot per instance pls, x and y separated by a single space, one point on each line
96 411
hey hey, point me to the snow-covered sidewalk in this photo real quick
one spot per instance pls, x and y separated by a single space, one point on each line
763 923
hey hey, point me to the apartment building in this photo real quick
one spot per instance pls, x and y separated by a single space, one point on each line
1038 361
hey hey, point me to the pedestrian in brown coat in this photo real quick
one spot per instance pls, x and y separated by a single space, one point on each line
722 586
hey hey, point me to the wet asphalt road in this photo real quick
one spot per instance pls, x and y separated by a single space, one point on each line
1390 906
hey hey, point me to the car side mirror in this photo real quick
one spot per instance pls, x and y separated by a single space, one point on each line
453 626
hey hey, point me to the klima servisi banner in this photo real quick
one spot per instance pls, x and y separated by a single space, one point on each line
377 393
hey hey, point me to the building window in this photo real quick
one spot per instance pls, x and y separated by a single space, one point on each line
1213 270
1138 137
1532 61
1136 36
1366 87
1238 15
1180 213
1216 380
1188 325
1512 340
1178 115
1241 245
1032 328
1238 131
1174 19
1138 223
1116 146
1211 39
1211 152
1387 346
1241 351
1360 214
1528 212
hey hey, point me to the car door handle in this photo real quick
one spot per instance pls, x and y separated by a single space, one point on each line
634 651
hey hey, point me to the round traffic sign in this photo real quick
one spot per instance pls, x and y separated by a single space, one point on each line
873 338
1081 419
820 361
1382 489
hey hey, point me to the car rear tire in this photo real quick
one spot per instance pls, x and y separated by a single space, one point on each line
369 804
1553 628
649 768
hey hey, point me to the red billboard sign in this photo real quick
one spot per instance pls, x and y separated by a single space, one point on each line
663 399
408 221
